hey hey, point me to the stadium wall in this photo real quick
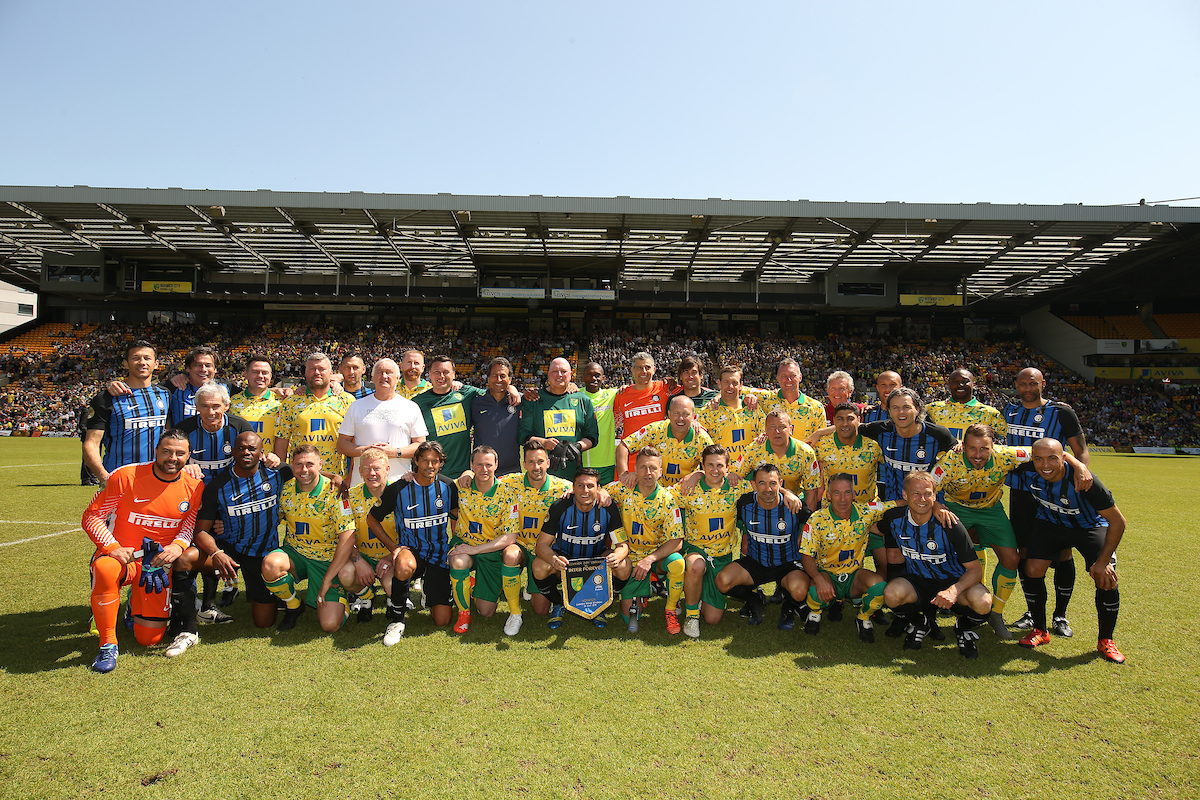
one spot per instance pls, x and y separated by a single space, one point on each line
1060 340
17 306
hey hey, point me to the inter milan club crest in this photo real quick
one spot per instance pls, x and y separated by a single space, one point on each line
228 449
587 586
1037 418
266 487
438 502
921 453
782 526
932 545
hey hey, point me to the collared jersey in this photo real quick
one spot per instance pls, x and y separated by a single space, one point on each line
248 508
875 413
496 423
212 451
314 520
1050 420
260 412
481 515
634 408
770 534
679 458
702 398
929 549
583 534
404 391
710 517
131 423
797 464
860 460
732 428
839 545
957 417
143 506
807 413
604 454
361 503
903 455
423 516
530 505
1060 503
977 488
650 521
448 420
566 417
361 392
183 403
305 419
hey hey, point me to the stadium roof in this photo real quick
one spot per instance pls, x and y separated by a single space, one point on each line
988 251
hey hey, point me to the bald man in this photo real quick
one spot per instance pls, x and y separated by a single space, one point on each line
562 421
885 383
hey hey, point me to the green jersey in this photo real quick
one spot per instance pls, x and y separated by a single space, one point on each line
448 418
565 417
604 454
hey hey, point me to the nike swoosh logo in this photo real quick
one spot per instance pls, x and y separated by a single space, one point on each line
409 508
572 527
140 500
754 524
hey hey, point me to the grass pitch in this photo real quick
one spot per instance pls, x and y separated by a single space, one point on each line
582 713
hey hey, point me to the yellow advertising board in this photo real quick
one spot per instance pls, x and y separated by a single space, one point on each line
183 287
931 300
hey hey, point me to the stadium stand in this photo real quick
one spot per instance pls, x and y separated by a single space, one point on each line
1181 326
1128 326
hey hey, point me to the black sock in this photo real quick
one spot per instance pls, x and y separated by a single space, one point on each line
183 602
551 588
209 580
1064 585
744 593
905 610
894 571
1108 606
617 584
1035 599
397 605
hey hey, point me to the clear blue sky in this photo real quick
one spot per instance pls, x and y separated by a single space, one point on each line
1043 102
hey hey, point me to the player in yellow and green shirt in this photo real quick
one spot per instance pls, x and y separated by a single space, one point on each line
732 424
963 409
483 507
797 461
314 415
654 533
848 451
710 538
807 413
412 367
314 520
257 404
833 548
370 556
677 440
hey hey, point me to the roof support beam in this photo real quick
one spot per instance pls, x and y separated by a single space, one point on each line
701 236
145 227
859 239
386 233
57 224
935 241
786 234
1013 243
305 231
467 243
228 233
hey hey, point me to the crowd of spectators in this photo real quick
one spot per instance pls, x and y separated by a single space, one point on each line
45 392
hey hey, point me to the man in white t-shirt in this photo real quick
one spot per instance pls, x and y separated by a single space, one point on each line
384 420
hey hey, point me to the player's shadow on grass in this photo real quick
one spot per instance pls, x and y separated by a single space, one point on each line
40 641
42 485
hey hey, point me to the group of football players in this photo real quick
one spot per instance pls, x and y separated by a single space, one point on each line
680 491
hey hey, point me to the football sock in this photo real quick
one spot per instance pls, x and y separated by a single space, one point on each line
1035 599
285 589
183 601
675 566
814 603
397 605
106 597
210 589
1064 585
462 588
549 586
147 636
872 600
617 583
1108 606
1004 580
743 593
365 593
510 578
692 611
894 571
981 554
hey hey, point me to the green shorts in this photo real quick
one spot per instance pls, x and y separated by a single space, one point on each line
635 588
487 573
841 583
530 584
874 542
708 586
314 571
990 524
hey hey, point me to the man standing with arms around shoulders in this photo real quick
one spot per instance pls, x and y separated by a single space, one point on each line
963 409
495 420
710 532
352 369
677 440
412 367
314 415
384 421
886 382
257 403
127 426
563 422
603 456
642 402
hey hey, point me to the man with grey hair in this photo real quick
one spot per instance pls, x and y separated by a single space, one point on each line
839 388
384 420
562 422
642 402
314 416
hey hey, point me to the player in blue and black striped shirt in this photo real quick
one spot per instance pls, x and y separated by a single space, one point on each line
771 520
127 426
424 508
940 567
908 442
1087 520
1029 419
579 527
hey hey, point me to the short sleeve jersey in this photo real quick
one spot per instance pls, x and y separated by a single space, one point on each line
530 505
860 460
929 549
957 417
732 428
650 521
710 517
423 516
260 412
1060 503
797 464
875 413
977 488
839 545
604 454
408 393
806 413
583 534
634 408
143 506
448 420
771 534
481 515
1050 420
679 458
314 520
361 503
248 508
902 455
212 451
183 403
565 417
395 421
131 423
306 419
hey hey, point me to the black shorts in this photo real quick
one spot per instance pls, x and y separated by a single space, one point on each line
760 574
436 581
251 569
927 588
1049 540
1022 509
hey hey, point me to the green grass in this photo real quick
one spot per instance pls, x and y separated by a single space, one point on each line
581 713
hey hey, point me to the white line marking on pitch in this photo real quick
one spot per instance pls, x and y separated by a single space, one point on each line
32 522
54 464
43 536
